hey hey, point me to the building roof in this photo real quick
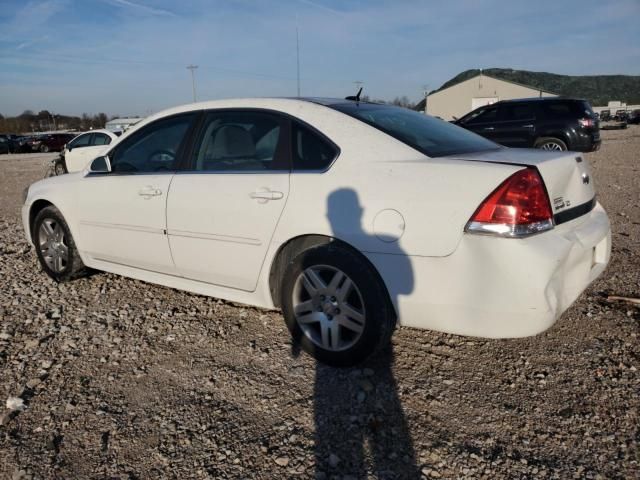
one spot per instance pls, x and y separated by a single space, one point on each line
493 78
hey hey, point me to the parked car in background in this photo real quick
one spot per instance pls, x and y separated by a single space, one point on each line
82 150
605 115
23 144
349 216
634 117
549 123
4 144
52 142
621 115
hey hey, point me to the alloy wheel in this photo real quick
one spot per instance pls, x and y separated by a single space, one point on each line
551 146
52 244
328 307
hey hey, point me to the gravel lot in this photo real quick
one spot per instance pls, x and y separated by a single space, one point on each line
122 379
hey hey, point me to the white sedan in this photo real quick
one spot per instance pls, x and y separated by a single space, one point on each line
351 217
82 150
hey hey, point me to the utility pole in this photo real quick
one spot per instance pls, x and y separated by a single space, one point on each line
193 79
298 56
425 89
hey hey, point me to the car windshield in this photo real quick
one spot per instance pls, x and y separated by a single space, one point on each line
429 135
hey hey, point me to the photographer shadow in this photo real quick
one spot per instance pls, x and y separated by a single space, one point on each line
360 427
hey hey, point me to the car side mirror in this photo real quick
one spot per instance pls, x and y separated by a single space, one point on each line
68 147
100 165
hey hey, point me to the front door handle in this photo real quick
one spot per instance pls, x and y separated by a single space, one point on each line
264 195
149 191
527 126
488 128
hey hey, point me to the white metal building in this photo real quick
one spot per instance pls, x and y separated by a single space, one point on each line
461 98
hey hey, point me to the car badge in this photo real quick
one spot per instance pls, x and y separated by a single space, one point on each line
585 178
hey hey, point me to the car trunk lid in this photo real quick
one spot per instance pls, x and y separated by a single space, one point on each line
567 177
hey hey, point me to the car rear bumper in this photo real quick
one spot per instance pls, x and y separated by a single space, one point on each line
586 142
498 287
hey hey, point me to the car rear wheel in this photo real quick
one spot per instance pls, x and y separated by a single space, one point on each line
44 148
55 247
550 143
336 306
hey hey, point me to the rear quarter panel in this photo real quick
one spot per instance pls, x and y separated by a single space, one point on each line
431 201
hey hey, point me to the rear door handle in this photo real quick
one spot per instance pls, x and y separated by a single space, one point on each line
265 195
527 126
149 192
488 128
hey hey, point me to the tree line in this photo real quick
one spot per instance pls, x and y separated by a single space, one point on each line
44 120
28 122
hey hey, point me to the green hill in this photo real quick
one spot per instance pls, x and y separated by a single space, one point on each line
598 89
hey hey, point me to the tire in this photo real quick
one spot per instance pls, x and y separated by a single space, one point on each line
56 250
551 144
361 318
44 148
60 168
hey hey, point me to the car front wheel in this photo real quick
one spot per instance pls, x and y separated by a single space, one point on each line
336 306
55 247
44 148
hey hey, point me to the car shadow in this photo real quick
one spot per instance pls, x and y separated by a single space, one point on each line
360 427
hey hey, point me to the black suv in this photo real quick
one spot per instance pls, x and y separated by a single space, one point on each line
550 123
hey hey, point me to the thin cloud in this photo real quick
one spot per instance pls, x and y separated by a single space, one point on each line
142 8
30 17
29 43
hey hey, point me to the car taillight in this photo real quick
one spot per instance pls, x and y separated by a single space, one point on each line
586 122
517 208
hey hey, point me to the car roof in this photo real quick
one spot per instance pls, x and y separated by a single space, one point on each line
267 103
542 99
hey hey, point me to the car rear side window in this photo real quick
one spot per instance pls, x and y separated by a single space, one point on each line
516 112
567 109
100 139
240 141
557 110
310 151
154 148
429 135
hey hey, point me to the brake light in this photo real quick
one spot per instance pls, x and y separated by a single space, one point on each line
586 122
517 208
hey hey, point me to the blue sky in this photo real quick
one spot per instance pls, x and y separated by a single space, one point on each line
129 56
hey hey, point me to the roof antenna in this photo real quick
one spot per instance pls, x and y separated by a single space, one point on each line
355 98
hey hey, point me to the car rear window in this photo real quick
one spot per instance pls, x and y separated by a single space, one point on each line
431 136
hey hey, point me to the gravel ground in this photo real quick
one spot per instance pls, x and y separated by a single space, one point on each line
122 379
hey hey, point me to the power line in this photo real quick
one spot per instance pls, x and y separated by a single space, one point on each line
55 58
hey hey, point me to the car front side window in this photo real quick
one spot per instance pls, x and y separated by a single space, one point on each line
488 115
240 141
155 148
81 141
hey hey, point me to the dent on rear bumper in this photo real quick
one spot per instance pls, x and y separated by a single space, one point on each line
498 287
